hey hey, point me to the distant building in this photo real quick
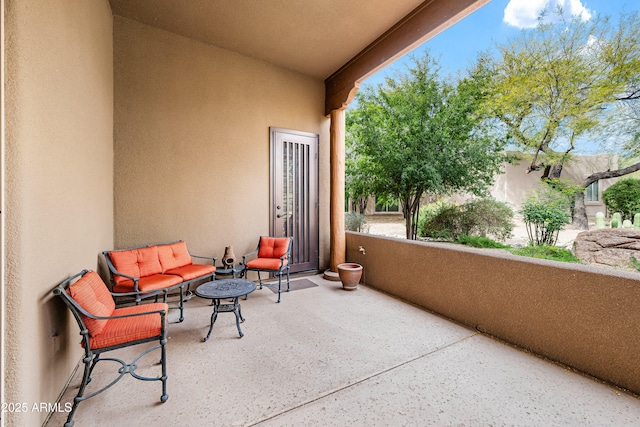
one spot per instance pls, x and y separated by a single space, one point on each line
514 184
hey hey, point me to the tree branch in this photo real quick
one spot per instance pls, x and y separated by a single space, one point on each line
610 174
633 95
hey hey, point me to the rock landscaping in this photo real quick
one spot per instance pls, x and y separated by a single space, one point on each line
611 247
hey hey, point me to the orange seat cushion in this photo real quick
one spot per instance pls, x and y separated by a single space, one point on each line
192 271
140 262
266 264
124 330
90 293
273 247
149 283
173 256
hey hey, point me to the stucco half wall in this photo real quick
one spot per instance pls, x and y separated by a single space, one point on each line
192 150
584 317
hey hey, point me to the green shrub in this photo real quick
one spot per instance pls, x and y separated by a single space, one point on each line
436 220
445 225
554 253
545 213
431 210
480 242
483 217
487 217
354 221
623 197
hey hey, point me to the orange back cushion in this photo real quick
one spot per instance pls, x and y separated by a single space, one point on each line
173 256
139 262
273 247
92 295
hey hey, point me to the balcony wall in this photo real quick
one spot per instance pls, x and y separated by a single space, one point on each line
584 317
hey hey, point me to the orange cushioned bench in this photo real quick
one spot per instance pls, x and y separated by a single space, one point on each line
155 270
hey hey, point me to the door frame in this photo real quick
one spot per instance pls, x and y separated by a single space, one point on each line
313 195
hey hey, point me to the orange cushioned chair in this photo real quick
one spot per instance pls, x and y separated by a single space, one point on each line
273 256
104 327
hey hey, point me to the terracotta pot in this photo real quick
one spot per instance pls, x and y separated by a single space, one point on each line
350 274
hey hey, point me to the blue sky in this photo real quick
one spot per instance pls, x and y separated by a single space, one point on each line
457 47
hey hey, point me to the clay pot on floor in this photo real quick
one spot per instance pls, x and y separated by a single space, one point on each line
350 274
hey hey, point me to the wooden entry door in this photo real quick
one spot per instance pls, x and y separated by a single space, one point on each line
294 194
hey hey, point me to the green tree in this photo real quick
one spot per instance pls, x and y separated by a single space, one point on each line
417 134
623 197
557 86
358 178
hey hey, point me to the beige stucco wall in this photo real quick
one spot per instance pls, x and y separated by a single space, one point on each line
192 140
58 183
180 131
584 317
514 185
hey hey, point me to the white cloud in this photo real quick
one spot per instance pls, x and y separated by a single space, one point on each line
524 13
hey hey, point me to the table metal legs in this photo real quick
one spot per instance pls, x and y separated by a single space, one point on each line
225 308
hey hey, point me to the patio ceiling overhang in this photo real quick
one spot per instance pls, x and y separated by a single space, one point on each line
339 41
421 24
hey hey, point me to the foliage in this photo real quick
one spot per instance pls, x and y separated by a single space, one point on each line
554 253
623 197
417 134
557 85
358 178
484 217
622 131
354 221
635 263
429 212
545 213
623 118
475 218
480 242
440 220
565 188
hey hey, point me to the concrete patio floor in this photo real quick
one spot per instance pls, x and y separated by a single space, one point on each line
329 357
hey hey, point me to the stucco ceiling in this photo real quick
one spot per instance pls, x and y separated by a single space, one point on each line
314 37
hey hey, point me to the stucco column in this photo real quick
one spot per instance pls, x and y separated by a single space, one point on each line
338 243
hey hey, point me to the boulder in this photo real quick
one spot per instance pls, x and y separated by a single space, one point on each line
611 247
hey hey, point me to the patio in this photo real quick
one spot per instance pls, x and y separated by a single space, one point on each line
325 356
127 125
